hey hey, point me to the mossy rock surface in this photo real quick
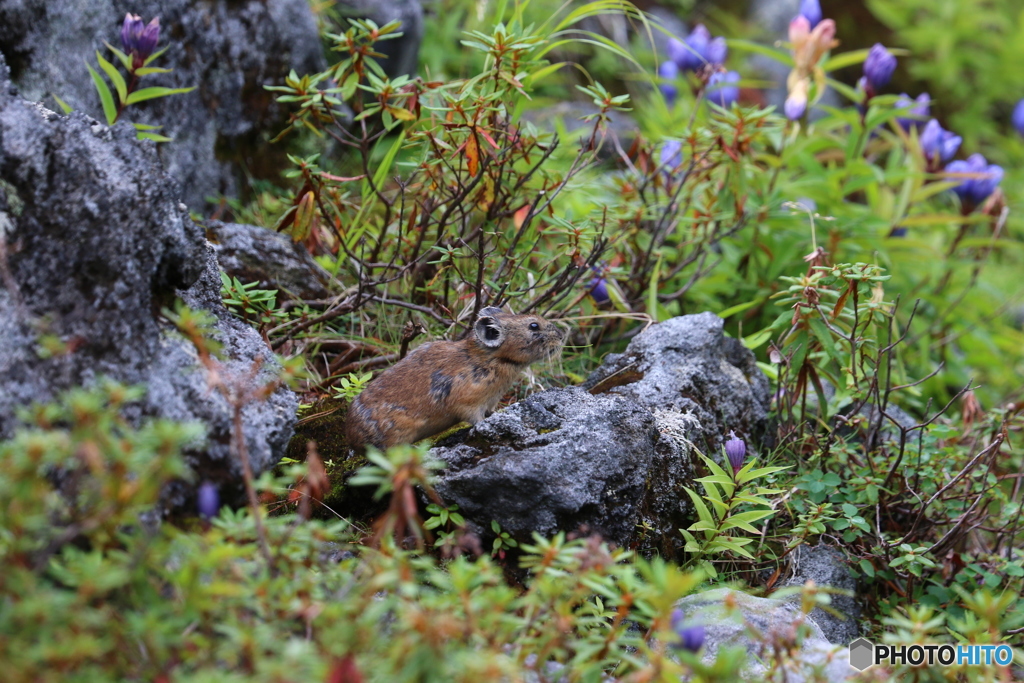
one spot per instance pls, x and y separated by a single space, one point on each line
324 423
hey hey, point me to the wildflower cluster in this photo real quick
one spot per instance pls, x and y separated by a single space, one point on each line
704 56
137 53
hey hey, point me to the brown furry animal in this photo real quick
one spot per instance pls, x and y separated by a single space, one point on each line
443 383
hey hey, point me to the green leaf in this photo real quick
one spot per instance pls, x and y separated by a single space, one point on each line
738 308
106 98
652 291
743 520
153 56
154 92
845 59
115 77
757 48
702 511
156 137
755 340
67 108
124 58
147 70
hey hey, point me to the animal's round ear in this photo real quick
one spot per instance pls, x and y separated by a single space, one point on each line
488 330
490 310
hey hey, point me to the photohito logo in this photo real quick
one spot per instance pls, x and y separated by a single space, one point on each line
863 653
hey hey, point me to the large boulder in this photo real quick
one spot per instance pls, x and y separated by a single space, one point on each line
688 366
97 243
617 462
730 618
560 460
827 568
254 254
229 49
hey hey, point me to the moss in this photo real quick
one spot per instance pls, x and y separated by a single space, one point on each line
323 422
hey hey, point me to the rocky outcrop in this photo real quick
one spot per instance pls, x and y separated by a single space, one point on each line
731 617
97 243
827 568
688 366
229 49
557 460
615 463
254 254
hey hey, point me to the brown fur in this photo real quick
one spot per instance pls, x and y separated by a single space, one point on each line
443 383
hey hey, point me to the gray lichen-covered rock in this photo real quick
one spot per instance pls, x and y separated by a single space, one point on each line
97 243
559 460
229 49
728 616
616 463
688 366
826 566
255 254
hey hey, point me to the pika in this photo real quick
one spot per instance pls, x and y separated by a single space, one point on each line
443 383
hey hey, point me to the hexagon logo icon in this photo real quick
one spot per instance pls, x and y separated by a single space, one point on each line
862 654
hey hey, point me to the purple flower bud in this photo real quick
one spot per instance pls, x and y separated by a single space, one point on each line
811 11
918 109
795 107
973 191
130 30
668 71
898 231
209 500
736 451
691 637
939 145
691 55
138 39
717 51
599 290
149 37
1018 117
722 88
878 66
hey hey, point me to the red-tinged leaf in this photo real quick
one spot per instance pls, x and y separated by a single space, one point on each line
841 302
489 139
473 154
345 671
341 179
519 216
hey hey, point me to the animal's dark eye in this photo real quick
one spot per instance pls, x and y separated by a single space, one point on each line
534 326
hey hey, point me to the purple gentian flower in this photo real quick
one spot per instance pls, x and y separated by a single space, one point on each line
918 109
209 500
716 51
878 68
691 637
811 11
668 71
699 48
974 191
736 451
691 55
1018 117
138 39
938 145
722 88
